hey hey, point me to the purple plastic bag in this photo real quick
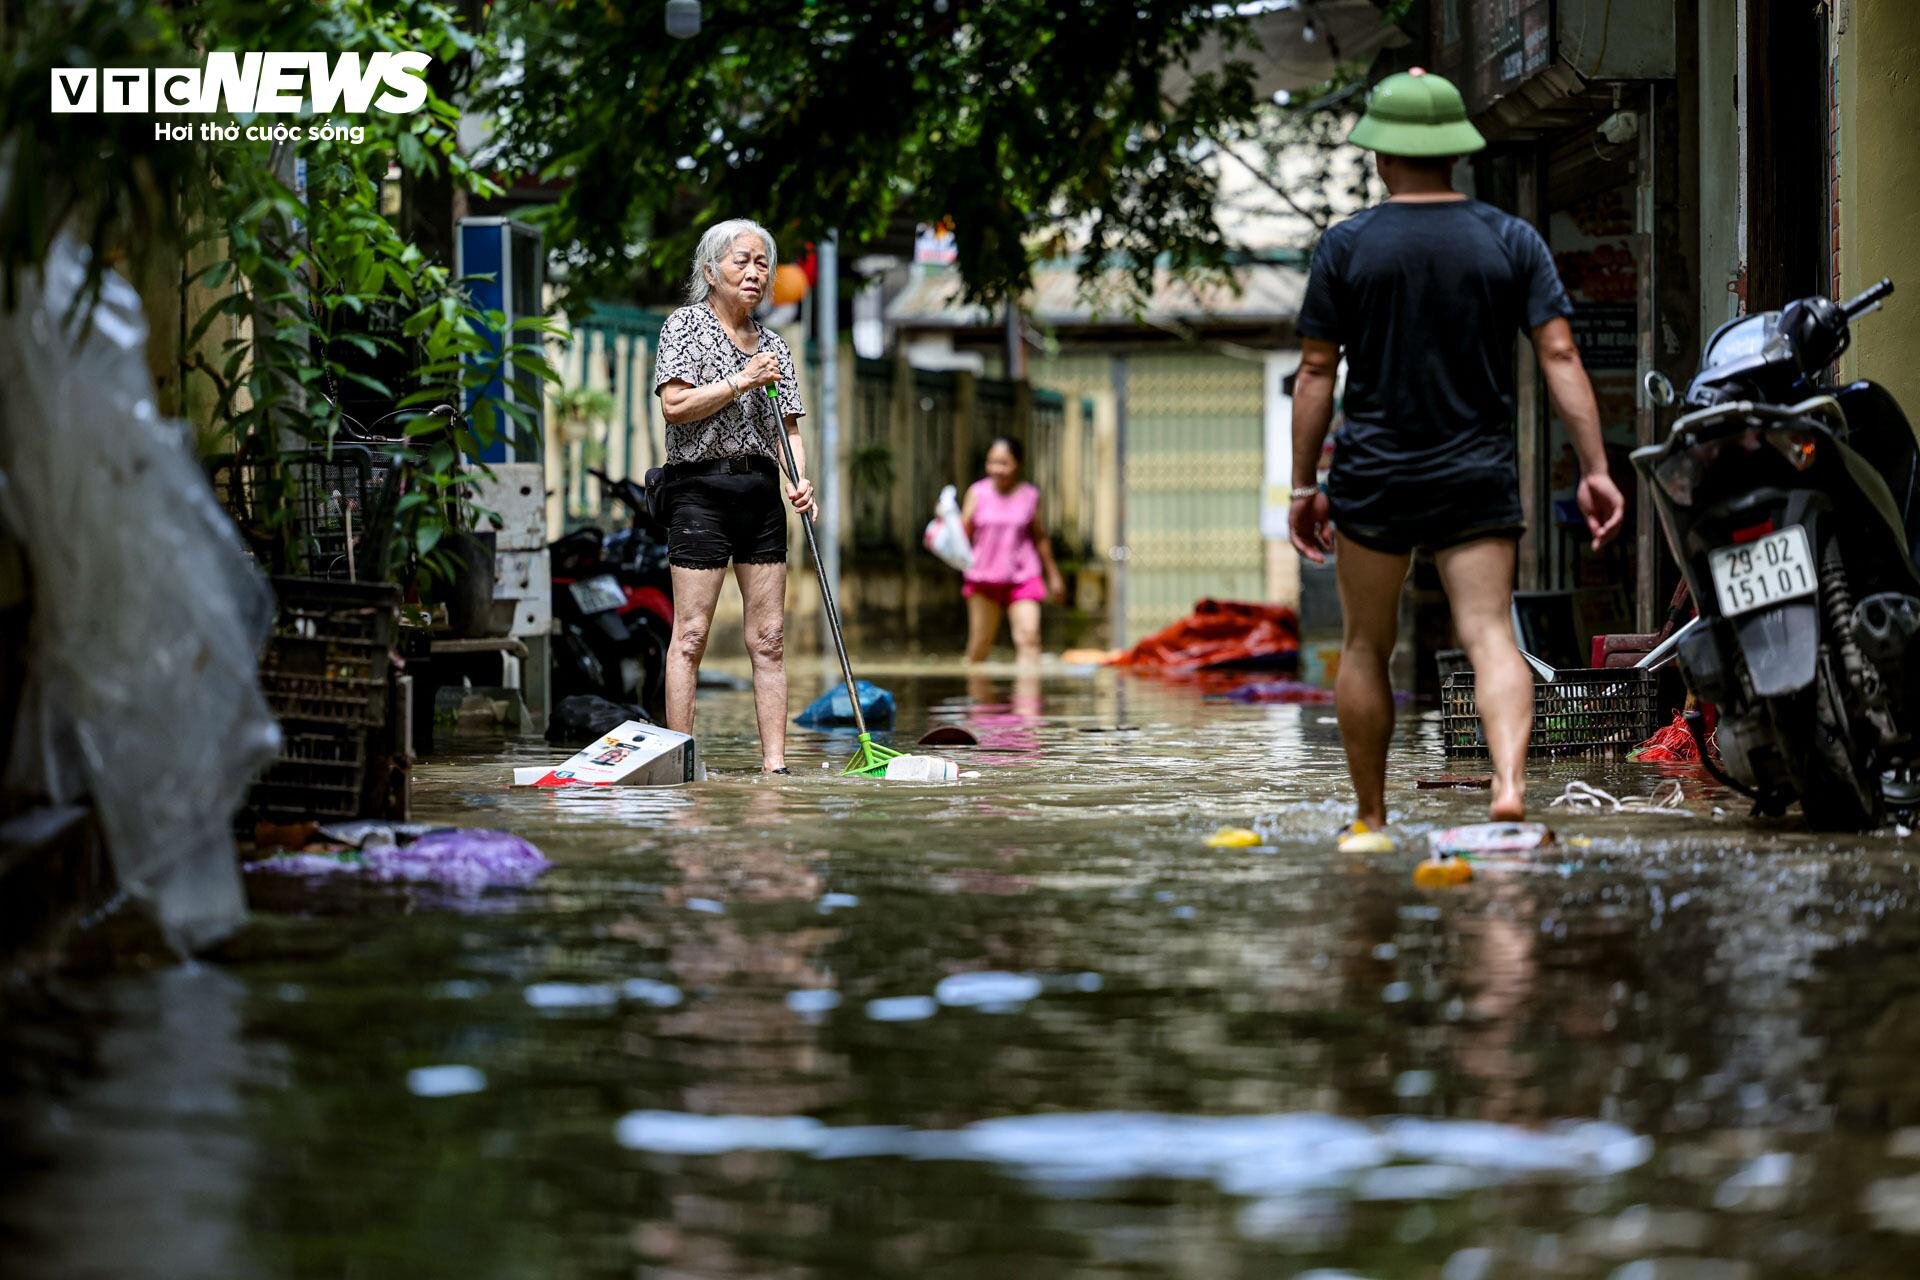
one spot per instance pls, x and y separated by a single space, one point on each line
464 861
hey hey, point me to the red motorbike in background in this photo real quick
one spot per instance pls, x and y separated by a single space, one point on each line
613 606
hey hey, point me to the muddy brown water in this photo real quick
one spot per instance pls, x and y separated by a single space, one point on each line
1027 1024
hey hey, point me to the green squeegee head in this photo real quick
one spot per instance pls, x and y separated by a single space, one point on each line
870 761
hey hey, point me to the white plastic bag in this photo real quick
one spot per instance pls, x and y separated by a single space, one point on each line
142 687
946 536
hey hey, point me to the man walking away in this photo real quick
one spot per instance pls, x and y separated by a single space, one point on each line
1425 294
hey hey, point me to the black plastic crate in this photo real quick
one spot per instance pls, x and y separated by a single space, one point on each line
319 513
317 775
1578 713
328 659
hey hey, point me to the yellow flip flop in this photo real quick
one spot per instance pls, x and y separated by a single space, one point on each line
1360 838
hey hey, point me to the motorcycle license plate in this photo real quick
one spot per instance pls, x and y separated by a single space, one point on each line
1766 571
598 594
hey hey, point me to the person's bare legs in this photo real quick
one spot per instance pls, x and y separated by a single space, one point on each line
983 623
763 603
1479 582
1370 583
695 593
1023 618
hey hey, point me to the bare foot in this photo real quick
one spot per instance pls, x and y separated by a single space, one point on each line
1508 806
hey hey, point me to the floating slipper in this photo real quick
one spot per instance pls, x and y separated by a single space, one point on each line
1358 837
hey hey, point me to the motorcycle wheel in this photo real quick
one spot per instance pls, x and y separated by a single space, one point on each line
1839 788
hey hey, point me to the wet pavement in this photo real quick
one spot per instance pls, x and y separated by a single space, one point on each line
1022 1025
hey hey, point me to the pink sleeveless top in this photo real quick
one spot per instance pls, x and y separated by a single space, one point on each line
1003 550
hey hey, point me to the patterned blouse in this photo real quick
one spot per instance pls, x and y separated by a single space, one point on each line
695 348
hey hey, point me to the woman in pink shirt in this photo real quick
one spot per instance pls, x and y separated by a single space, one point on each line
1013 569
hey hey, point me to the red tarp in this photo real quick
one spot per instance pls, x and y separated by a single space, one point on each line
1221 633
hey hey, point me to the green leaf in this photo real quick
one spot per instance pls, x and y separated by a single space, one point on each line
427 537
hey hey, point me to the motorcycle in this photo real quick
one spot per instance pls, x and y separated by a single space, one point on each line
1791 505
613 606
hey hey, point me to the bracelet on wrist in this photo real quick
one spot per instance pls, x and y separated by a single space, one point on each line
734 385
1305 491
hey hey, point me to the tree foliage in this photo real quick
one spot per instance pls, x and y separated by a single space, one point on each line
1021 120
321 283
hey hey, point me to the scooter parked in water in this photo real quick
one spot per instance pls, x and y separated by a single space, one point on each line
1791 505
613 606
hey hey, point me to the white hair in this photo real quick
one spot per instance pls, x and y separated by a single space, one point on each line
716 243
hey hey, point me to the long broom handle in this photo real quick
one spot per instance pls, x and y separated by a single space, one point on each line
819 570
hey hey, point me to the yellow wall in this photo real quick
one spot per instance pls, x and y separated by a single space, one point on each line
1878 55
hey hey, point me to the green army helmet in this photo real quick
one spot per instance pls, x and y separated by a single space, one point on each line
1416 113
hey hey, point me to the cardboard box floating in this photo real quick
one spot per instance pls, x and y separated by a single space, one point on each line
636 754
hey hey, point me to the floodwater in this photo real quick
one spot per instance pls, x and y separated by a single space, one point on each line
1023 1025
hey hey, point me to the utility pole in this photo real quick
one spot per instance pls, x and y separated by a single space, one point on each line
826 480
1117 594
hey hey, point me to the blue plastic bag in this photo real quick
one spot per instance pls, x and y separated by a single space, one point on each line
831 710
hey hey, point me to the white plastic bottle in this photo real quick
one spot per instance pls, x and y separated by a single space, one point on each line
921 769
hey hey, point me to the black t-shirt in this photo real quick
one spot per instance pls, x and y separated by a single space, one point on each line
1426 299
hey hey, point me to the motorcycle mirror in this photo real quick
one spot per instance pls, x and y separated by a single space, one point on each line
1660 388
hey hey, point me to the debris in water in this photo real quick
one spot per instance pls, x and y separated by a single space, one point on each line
830 902
1442 872
1233 838
1581 795
1290 692
1483 838
465 861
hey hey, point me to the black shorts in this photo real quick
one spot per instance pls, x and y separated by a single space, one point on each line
727 509
1423 510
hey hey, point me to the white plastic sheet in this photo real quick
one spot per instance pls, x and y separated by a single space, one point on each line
946 534
143 689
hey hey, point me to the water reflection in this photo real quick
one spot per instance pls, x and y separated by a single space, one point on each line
1029 1024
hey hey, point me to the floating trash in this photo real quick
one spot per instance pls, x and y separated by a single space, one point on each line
465 861
1442 873
1233 838
830 902
707 906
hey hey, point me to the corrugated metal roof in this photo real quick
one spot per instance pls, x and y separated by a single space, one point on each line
1267 292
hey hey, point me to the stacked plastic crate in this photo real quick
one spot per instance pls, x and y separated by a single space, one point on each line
327 673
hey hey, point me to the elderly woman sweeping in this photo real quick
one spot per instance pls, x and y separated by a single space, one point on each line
723 482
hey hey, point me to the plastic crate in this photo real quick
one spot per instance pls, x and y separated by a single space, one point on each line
328 657
320 513
327 673
1578 713
317 775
